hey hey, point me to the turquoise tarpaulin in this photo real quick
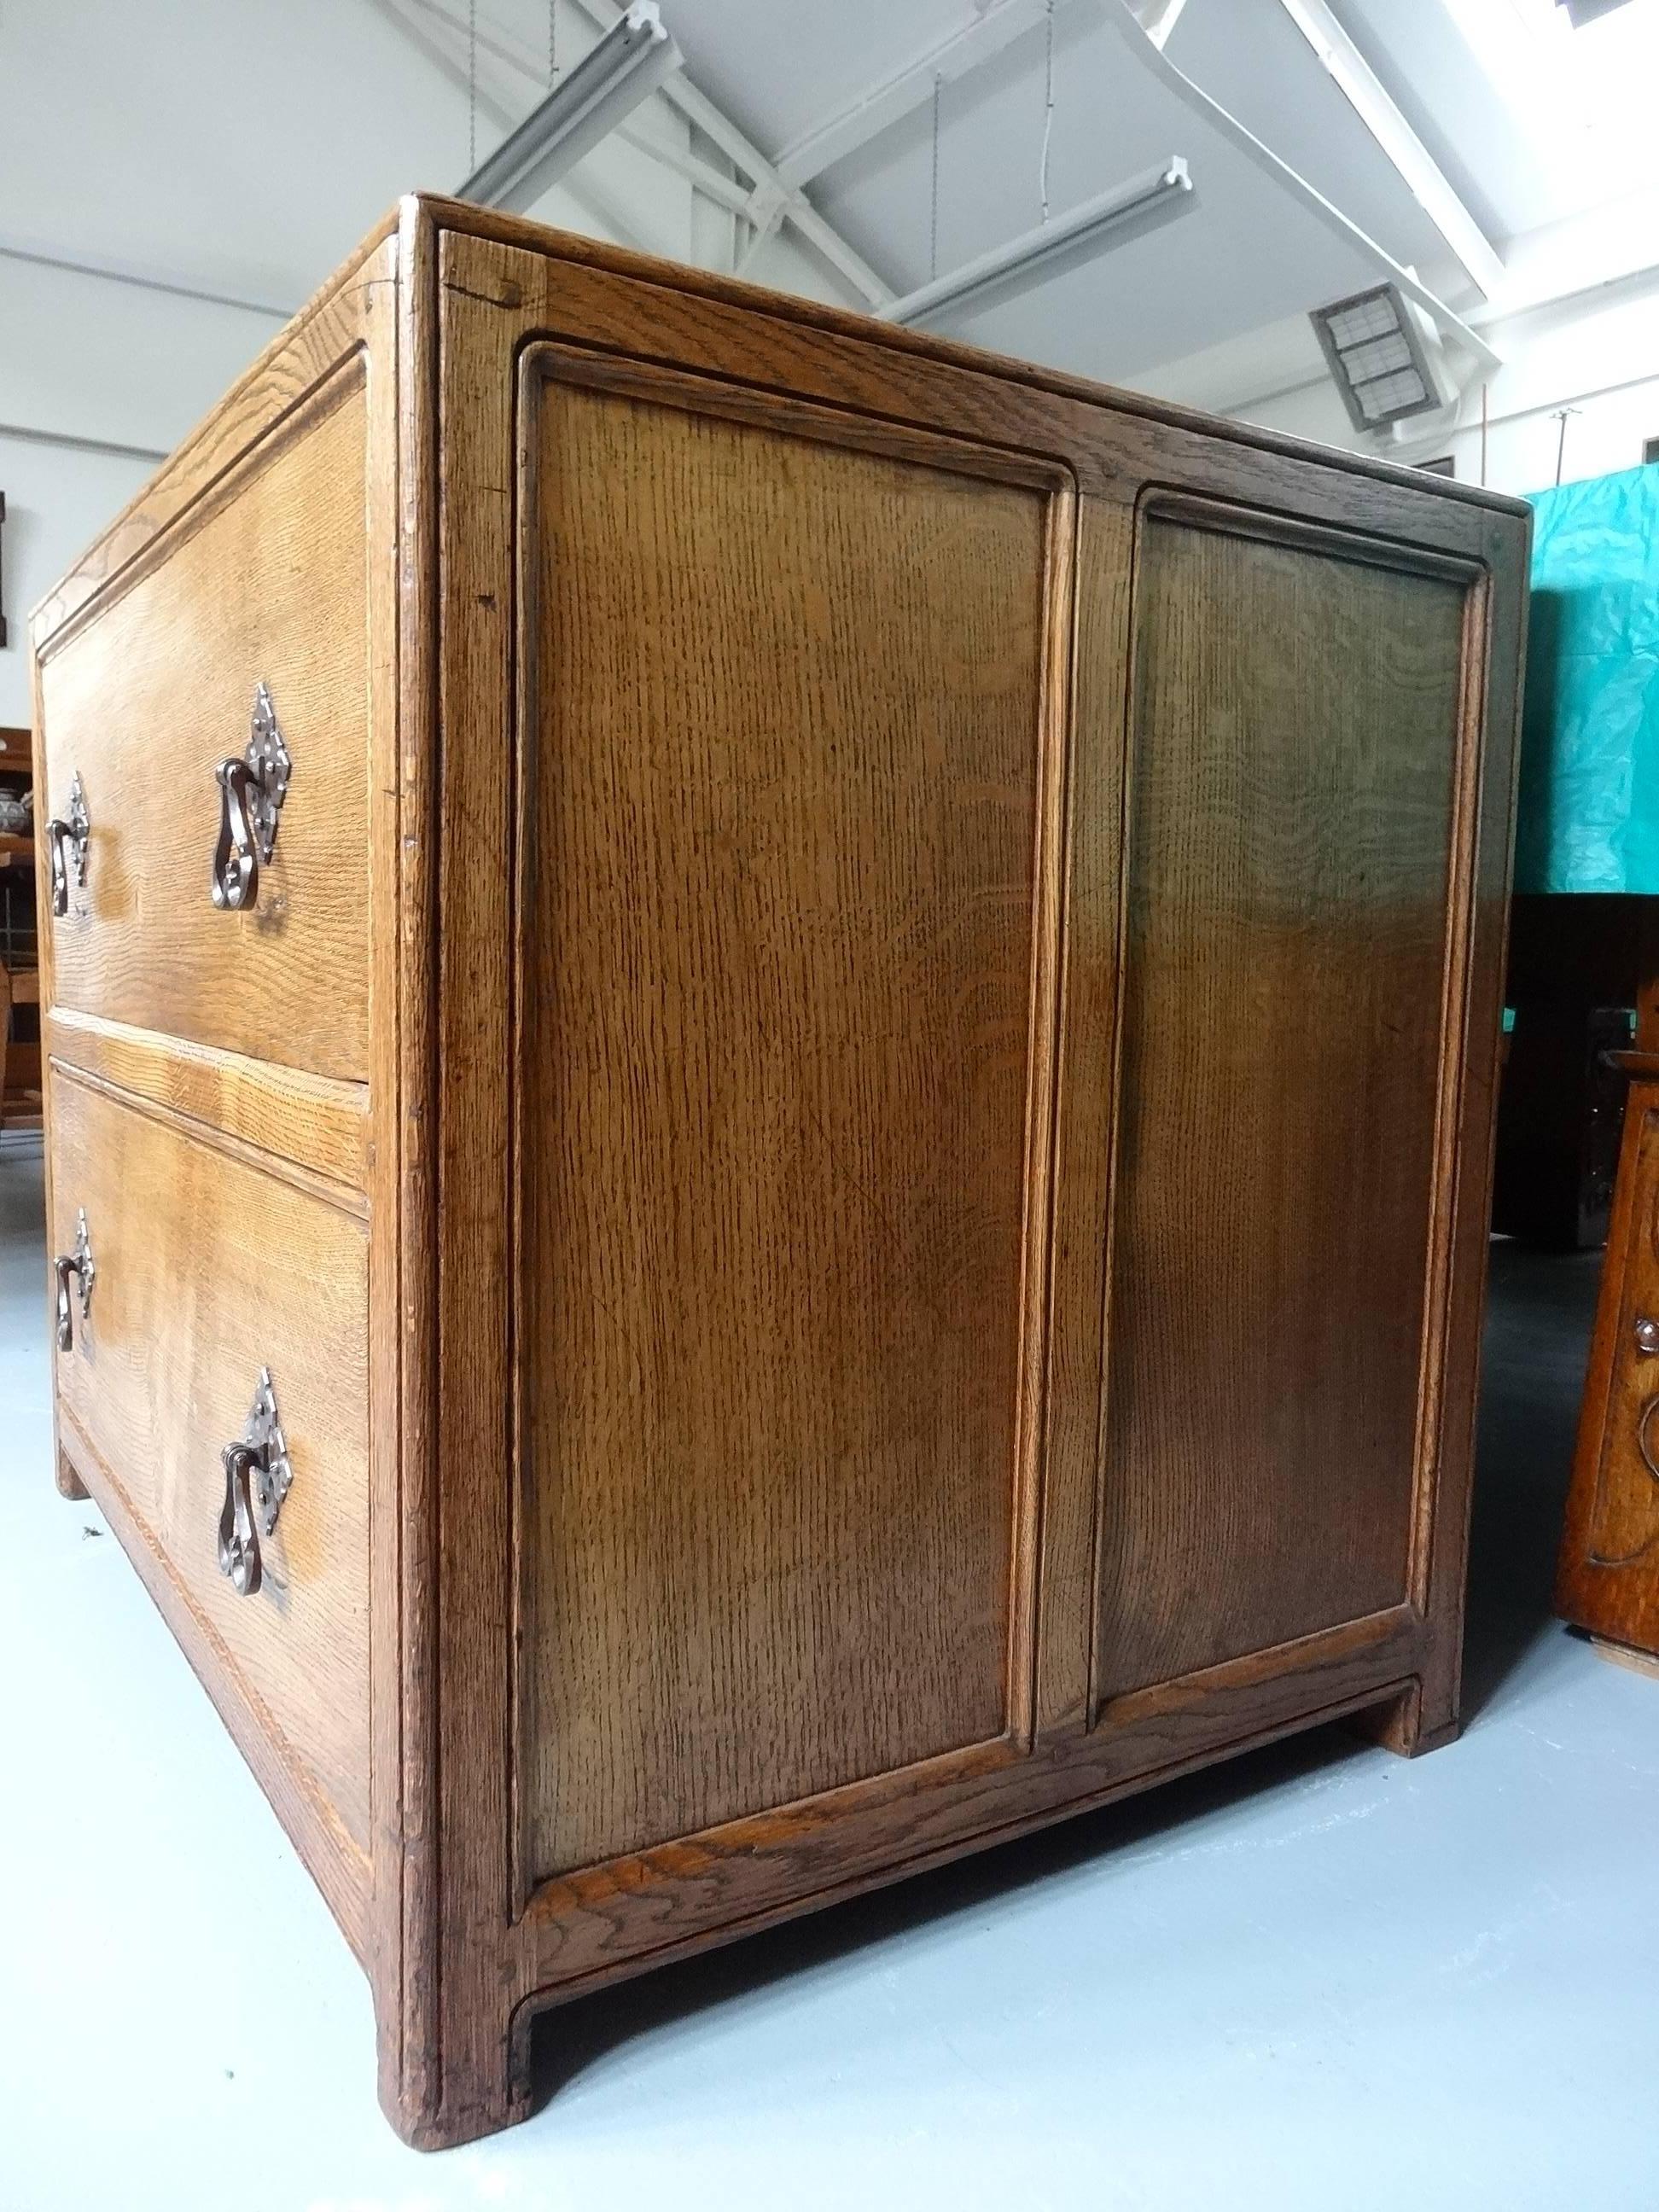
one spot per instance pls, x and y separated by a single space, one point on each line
1589 756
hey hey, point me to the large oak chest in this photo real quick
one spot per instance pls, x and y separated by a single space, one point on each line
771 1068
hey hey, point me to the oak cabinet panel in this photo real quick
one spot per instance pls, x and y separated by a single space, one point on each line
775 1053
1293 784
853 1116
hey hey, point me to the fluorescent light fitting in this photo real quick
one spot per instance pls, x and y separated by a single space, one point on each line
1109 218
624 68
1376 357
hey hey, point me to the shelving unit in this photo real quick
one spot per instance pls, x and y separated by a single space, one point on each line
20 988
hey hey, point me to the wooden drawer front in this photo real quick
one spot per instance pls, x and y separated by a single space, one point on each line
265 584
206 1272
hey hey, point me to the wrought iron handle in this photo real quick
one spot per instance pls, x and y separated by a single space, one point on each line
252 788
65 1268
236 855
58 837
239 1533
66 843
78 1264
257 1479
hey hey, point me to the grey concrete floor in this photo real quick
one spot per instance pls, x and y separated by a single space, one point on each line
1317 1978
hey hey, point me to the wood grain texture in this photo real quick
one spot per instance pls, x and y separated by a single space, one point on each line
155 684
775 1043
404 1270
220 1274
311 1121
1607 1579
800 342
1084 1115
1297 722
464 2081
602 1925
754 970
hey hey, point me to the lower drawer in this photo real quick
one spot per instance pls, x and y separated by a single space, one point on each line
205 1273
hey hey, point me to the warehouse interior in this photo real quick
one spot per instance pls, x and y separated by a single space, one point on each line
1368 289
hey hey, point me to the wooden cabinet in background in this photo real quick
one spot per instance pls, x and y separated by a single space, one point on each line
838 1141
1608 1577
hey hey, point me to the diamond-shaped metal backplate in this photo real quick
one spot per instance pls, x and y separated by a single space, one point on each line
269 758
79 824
86 1268
273 1473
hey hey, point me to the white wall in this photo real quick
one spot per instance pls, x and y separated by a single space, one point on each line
94 360
57 500
90 363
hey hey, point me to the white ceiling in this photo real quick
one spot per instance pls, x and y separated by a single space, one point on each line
1246 254
243 145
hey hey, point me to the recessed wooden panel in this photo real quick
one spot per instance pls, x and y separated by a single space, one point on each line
1295 730
267 583
781 784
219 1272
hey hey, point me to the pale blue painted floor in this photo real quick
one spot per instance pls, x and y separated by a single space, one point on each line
1318 1979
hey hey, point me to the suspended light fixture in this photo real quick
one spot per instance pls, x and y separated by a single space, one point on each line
1109 218
1375 352
625 67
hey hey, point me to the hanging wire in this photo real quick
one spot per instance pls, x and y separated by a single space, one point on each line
1047 111
471 85
552 43
932 233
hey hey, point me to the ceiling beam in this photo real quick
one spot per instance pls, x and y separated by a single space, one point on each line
441 33
722 133
1157 18
1450 323
1426 181
880 106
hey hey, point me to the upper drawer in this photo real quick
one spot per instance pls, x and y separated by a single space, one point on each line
265 583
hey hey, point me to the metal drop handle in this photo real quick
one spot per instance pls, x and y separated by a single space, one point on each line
235 857
77 1266
257 1476
253 786
239 1536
